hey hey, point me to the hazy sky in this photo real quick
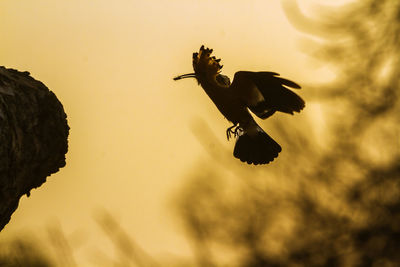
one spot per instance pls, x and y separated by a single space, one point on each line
111 65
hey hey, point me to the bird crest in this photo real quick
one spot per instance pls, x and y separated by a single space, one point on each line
205 64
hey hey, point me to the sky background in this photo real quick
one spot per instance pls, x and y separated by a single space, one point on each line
111 64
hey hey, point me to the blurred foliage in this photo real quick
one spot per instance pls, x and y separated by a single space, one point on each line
335 204
330 204
30 251
128 252
23 253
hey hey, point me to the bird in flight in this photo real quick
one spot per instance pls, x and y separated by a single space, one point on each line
263 93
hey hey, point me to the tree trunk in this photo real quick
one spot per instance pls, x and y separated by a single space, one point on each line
33 137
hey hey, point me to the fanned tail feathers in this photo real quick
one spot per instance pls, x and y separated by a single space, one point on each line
256 148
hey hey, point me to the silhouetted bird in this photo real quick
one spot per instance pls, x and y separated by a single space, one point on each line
262 92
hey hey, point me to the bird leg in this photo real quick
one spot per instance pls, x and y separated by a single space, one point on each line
238 130
235 131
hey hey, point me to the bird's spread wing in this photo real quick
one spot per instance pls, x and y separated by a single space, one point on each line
264 93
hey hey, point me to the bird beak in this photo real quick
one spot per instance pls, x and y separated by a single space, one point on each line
188 75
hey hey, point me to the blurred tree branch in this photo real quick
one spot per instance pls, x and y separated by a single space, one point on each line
336 207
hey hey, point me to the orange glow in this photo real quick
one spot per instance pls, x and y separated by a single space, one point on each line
111 65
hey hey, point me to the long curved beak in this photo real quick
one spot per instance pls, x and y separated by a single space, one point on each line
188 75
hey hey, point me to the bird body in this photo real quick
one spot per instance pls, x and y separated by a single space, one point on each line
229 104
260 92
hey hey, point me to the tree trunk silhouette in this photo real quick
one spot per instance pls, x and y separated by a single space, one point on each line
33 137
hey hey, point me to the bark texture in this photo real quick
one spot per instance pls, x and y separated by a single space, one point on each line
33 137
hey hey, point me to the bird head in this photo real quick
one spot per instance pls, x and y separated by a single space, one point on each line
205 64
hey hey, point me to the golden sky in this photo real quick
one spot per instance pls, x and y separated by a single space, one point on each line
111 65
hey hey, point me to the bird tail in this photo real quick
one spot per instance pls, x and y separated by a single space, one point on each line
255 146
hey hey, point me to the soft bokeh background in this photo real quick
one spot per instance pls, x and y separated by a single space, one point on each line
136 135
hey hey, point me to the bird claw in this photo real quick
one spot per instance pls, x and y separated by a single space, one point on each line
235 131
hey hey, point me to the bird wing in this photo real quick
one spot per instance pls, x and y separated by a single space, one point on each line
264 93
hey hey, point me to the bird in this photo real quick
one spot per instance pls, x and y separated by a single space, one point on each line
263 93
